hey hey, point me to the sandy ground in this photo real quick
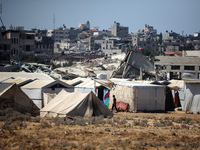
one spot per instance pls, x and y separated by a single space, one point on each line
172 130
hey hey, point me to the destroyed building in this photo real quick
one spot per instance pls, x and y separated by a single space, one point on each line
134 65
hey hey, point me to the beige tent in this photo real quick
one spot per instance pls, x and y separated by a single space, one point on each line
47 97
11 96
75 104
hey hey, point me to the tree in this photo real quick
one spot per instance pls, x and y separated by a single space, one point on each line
149 52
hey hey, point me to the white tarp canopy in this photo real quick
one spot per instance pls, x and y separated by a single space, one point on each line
11 96
141 97
75 104
192 98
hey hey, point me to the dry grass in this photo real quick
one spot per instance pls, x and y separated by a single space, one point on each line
172 130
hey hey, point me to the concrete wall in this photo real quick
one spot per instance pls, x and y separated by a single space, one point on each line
191 53
183 62
112 51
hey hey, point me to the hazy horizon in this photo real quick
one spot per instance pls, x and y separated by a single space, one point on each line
178 15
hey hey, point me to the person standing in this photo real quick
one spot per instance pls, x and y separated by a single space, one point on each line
114 103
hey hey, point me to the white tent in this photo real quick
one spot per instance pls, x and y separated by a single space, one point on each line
192 96
11 96
75 104
141 97
34 90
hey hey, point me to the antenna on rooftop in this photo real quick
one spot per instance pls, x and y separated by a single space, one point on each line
53 21
2 28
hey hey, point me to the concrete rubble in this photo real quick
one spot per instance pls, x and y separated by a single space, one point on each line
135 65
126 65
131 64
91 68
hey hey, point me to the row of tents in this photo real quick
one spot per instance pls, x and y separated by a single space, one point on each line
94 97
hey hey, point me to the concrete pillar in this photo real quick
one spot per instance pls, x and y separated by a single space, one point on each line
196 75
141 73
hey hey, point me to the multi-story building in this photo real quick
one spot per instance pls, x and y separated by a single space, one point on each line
146 38
111 46
44 45
65 34
27 42
118 30
4 50
85 26
18 41
173 67
172 42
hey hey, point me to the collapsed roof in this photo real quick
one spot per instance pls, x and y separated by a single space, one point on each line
131 65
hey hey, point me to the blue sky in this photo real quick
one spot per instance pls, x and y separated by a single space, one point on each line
176 15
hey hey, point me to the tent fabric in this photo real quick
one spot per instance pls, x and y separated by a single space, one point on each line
75 104
140 97
169 101
192 98
62 95
176 84
39 76
47 97
11 96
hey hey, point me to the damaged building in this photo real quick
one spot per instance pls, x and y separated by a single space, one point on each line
176 67
134 65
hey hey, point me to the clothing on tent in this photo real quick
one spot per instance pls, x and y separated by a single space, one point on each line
106 97
177 99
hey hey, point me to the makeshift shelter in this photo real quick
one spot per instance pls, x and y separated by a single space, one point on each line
18 80
39 76
169 101
75 104
86 86
11 96
140 97
34 91
192 96
56 86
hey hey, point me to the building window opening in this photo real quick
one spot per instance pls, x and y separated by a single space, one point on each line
188 67
175 67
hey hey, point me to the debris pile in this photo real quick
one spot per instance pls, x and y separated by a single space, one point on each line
135 65
91 68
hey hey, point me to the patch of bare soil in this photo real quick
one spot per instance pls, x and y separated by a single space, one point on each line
172 130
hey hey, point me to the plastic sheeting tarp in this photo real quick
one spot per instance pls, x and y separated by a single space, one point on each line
192 98
75 104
